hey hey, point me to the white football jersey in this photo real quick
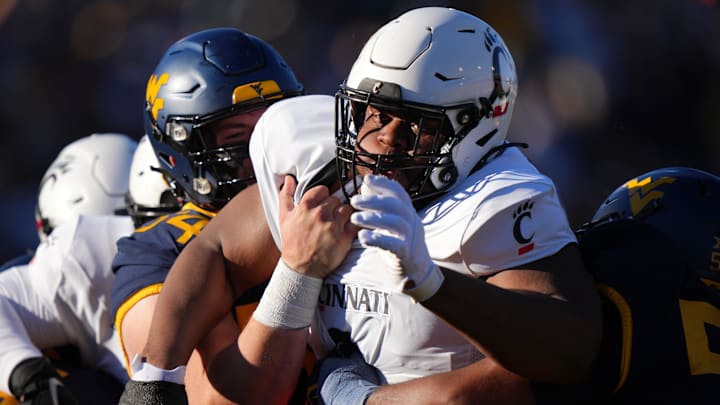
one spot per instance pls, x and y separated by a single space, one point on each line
500 217
62 297
295 136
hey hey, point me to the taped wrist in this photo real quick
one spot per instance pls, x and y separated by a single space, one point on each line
35 380
428 286
144 371
289 300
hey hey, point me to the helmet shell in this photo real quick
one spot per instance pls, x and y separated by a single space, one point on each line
88 177
149 195
447 60
201 79
679 202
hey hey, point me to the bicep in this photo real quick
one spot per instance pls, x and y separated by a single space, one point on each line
241 235
561 275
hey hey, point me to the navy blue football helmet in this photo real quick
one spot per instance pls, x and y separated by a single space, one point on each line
681 203
201 80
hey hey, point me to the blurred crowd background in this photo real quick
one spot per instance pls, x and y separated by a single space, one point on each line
608 89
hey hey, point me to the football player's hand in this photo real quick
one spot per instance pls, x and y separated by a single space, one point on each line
35 382
390 222
153 393
317 233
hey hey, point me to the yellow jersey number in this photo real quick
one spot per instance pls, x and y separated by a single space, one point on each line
695 315
190 224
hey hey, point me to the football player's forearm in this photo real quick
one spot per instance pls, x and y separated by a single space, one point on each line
195 297
539 336
270 363
483 382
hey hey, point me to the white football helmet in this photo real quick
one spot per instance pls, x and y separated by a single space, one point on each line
150 194
88 177
432 63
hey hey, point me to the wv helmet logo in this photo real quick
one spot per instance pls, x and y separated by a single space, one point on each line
642 192
258 88
523 212
155 104
263 90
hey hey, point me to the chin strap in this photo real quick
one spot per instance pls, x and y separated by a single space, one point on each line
496 151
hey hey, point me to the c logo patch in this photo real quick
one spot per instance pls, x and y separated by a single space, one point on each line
523 212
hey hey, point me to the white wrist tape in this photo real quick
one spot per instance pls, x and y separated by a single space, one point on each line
290 299
144 371
428 286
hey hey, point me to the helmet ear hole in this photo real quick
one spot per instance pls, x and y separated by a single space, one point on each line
444 176
448 175
468 117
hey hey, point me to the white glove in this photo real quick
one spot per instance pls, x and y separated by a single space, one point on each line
389 221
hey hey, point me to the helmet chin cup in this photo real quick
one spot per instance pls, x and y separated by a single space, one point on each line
202 185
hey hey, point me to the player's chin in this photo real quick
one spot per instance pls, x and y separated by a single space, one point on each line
401 176
394 175
398 176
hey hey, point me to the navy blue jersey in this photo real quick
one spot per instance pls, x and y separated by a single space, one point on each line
144 258
17 261
661 341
